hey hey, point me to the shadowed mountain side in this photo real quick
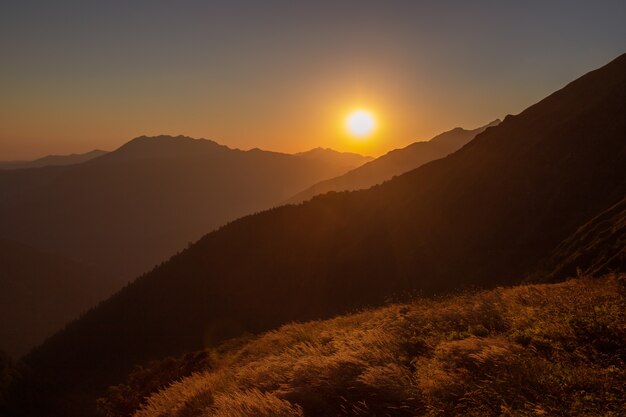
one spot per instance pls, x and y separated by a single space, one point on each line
53 160
485 215
132 208
39 293
596 248
394 163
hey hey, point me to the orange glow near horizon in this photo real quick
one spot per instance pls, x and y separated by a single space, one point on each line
95 75
63 119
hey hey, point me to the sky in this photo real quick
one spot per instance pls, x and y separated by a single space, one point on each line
283 75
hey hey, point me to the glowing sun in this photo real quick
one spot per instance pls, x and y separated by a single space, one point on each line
360 123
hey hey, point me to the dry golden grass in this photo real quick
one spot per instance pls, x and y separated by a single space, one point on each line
525 351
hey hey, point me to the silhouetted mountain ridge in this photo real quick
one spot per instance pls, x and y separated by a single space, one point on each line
53 160
131 208
164 146
126 211
395 162
351 159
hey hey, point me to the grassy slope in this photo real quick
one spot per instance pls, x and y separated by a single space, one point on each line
554 349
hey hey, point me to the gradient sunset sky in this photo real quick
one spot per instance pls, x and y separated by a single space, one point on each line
282 75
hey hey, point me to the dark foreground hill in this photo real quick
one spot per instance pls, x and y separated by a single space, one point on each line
556 350
129 209
39 293
394 163
483 216
53 160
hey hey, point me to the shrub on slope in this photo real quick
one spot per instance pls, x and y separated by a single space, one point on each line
124 399
555 349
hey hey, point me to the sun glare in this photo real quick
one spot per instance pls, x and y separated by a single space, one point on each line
360 123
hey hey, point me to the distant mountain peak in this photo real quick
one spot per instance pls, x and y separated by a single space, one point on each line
170 139
349 160
163 146
321 150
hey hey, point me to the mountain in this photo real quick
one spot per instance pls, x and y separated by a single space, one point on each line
526 349
130 209
394 163
348 159
121 214
485 215
53 160
39 293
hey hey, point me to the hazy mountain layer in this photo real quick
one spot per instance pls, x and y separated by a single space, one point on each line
394 163
53 160
130 209
39 293
350 159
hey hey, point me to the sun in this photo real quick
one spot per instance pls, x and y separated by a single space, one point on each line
360 123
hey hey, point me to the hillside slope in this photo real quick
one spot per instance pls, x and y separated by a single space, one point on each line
597 247
39 293
53 160
483 216
554 350
128 210
394 163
